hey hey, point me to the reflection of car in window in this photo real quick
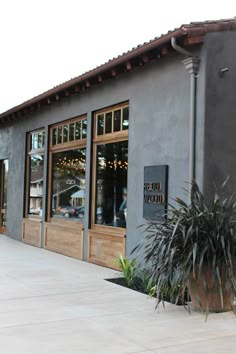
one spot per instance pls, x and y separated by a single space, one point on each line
79 211
66 211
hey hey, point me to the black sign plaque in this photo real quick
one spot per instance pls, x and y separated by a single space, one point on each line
155 191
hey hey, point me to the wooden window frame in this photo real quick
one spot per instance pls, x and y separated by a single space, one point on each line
30 152
70 145
113 137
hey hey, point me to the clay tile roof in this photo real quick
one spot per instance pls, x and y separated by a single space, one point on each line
120 65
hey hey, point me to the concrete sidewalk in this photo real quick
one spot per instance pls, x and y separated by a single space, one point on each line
54 304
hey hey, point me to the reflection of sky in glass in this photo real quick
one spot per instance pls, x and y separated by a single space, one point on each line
37 140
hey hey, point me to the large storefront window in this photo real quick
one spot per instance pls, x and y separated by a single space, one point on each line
36 184
111 184
35 163
67 170
4 167
111 166
68 184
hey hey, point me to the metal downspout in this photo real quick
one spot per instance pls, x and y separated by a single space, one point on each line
192 127
191 65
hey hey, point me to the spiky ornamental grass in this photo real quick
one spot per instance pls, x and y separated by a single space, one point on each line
190 241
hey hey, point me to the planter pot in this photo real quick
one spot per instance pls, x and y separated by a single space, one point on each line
210 301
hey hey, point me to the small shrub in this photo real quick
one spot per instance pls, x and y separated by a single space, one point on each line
128 269
136 277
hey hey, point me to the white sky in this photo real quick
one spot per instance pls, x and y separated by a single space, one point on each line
44 43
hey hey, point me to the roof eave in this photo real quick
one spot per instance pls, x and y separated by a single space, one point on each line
139 51
191 34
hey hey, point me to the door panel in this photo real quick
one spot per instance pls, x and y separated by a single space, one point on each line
65 237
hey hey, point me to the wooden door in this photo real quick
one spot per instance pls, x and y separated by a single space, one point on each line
63 231
107 235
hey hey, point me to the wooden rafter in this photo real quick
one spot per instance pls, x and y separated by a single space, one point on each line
128 66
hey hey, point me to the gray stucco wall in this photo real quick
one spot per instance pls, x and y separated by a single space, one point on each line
158 135
220 111
158 96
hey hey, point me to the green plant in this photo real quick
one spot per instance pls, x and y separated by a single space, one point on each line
128 269
136 277
194 242
153 291
145 281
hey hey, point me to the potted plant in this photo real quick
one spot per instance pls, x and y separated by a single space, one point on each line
192 251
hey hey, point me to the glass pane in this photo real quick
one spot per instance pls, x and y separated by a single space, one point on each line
40 140
4 167
84 128
54 136
5 181
111 184
4 219
59 137
65 133
72 131
34 141
35 184
43 139
125 122
3 184
77 130
108 118
37 140
100 124
68 184
117 118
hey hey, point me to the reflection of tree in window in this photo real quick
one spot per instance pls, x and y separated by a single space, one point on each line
35 162
3 192
36 184
112 165
5 182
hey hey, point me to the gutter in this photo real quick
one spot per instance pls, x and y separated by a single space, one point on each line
191 64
